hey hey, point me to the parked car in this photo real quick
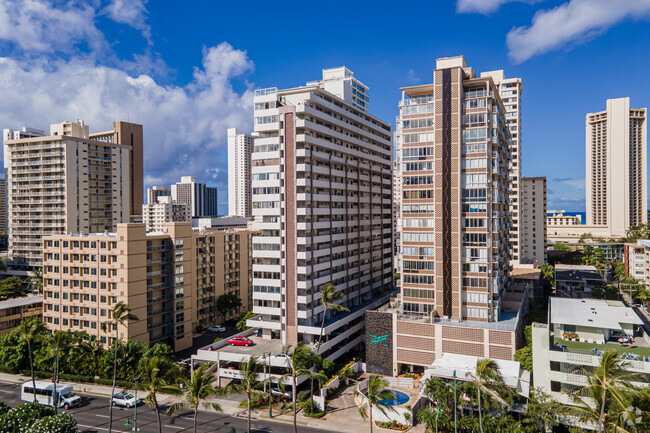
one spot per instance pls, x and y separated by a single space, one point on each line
125 399
217 328
240 341
277 392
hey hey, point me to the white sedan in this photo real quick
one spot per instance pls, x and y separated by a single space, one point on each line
217 328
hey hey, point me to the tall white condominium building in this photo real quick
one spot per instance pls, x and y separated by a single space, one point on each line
3 205
510 90
240 148
192 193
341 82
533 220
157 191
616 141
70 181
165 210
322 198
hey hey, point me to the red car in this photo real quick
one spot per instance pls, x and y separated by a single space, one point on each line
240 341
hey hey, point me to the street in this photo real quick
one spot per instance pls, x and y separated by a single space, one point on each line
92 417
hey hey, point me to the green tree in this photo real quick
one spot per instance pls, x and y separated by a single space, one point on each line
548 274
31 330
561 247
524 355
11 288
241 323
377 393
228 302
485 379
36 280
608 385
301 359
120 316
542 411
198 389
250 383
159 375
329 298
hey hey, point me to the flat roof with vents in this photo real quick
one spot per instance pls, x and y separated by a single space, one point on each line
594 313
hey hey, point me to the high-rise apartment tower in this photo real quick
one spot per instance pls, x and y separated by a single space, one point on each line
321 174
616 171
70 181
240 148
510 90
533 220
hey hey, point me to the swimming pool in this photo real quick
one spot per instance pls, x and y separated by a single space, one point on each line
400 399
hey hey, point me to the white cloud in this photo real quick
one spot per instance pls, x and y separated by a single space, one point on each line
576 21
184 126
37 25
130 12
485 6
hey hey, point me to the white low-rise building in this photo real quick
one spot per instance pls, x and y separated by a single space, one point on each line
578 333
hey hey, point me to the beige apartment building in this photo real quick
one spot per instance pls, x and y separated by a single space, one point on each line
454 255
533 220
164 210
616 167
14 311
557 218
510 90
170 279
157 191
70 181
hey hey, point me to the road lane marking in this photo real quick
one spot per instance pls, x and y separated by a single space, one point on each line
175 426
103 416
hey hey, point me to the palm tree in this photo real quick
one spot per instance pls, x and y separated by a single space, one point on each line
301 359
31 330
121 315
60 340
199 388
609 386
159 374
377 393
250 383
328 297
487 375
36 280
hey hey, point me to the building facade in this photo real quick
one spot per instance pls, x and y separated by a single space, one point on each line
157 191
321 178
510 90
201 199
637 261
171 280
578 333
532 219
240 148
14 311
164 210
557 218
341 83
616 169
70 181
454 251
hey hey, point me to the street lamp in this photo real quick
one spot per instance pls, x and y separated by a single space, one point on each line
438 412
455 405
267 361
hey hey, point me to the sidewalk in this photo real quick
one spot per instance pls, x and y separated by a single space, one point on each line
342 417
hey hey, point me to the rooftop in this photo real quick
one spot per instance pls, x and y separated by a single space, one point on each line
20 302
593 313
576 273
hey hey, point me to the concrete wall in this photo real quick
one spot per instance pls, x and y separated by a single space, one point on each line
379 352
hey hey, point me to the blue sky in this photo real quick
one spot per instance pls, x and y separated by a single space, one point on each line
187 70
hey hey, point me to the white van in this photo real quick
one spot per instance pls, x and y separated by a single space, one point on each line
44 391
